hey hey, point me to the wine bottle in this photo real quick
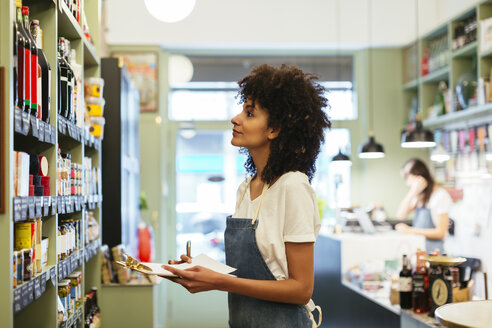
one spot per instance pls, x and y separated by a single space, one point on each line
26 59
406 285
34 64
45 90
15 71
420 281
63 79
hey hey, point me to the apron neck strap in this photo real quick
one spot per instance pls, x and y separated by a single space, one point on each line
265 187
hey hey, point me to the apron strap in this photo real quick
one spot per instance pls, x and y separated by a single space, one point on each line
316 324
265 187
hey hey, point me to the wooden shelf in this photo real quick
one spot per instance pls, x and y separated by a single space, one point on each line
467 51
90 56
463 118
436 76
67 24
412 85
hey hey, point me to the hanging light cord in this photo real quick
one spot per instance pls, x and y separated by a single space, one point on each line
371 88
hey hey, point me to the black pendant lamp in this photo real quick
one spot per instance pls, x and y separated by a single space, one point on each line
418 137
341 158
371 149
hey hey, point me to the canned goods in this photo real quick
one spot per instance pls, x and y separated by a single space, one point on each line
27 257
19 275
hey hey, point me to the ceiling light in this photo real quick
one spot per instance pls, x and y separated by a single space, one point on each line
341 159
440 154
371 149
170 11
180 69
418 137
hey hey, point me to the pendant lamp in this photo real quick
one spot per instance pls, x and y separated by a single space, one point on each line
418 137
341 159
170 11
371 149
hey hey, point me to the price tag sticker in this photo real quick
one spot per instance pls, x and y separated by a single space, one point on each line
66 268
41 130
30 292
39 206
46 205
17 299
32 208
35 127
17 209
54 201
77 203
37 287
53 134
18 121
61 204
72 203
53 275
42 282
25 123
24 206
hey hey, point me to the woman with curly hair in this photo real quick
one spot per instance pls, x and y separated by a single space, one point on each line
270 238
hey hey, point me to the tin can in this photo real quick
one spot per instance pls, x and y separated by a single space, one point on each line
27 257
19 275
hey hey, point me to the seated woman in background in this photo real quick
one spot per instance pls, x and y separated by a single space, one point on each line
430 205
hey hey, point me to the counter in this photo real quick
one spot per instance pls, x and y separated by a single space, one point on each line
344 304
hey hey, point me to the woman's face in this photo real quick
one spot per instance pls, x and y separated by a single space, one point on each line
407 176
250 128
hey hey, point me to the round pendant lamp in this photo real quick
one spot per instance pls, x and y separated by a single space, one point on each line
341 159
418 137
371 149
170 11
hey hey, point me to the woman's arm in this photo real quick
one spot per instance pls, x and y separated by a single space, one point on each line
439 232
297 289
408 204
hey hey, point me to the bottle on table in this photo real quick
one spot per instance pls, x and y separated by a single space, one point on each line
406 284
420 281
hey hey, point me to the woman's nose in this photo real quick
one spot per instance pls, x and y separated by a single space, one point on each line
235 120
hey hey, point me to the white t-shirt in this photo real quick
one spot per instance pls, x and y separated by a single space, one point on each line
289 213
439 203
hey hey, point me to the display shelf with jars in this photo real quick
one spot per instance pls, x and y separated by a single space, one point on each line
452 89
50 226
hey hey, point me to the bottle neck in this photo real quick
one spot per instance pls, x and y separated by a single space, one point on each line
19 15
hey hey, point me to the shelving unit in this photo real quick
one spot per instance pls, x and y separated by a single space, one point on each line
34 303
457 63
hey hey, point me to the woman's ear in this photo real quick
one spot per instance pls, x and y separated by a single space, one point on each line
273 133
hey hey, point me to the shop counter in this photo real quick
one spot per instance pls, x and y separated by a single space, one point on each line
344 304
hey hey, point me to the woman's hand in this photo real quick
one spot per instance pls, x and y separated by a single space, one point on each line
403 228
417 184
184 259
195 279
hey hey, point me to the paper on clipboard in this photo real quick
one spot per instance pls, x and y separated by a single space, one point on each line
202 260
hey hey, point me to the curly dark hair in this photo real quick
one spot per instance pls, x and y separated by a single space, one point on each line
294 101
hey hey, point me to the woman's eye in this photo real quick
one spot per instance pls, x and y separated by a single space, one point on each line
250 113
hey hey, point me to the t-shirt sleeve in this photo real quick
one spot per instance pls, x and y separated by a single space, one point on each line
301 212
442 202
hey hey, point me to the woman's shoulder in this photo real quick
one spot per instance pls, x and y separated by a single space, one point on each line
292 178
440 194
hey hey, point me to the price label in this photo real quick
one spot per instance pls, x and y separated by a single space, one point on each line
77 203
37 287
42 282
61 204
39 206
53 275
72 203
66 268
18 121
30 292
17 209
25 123
17 299
41 130
46 204
24 206
53 134
47 133
35 127
32 208
54 201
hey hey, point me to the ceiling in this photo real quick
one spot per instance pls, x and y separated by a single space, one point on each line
280 24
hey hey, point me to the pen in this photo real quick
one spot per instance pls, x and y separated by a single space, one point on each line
188 248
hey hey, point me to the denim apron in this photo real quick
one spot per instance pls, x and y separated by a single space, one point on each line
242 252
423 219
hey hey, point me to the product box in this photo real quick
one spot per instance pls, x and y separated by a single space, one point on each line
44 252
21 173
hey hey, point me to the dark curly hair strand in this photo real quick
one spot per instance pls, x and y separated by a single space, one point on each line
294 101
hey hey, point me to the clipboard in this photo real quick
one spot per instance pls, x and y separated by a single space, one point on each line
156 268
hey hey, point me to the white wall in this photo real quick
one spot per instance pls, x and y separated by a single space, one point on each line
308 24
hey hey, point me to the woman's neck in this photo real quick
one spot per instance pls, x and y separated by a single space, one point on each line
260 158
